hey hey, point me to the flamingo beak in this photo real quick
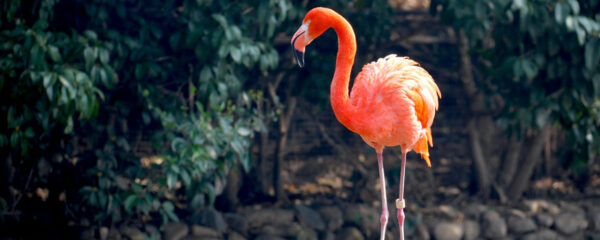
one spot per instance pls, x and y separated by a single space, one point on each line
299 44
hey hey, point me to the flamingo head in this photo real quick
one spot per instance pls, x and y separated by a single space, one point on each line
314 24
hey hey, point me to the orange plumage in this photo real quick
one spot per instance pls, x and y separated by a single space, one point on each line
393 100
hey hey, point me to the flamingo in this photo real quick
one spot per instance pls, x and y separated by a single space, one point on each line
392 103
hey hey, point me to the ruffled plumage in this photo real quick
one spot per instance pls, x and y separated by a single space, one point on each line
397 100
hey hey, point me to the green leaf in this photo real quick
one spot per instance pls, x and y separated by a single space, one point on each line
69 127
220 19
14 139
206 74
89 56
168 206
29 133
236 55
130 202
244 131
49 80
574 6
171 179
529 68
246 162
104 57
580 34
570 22
91 35
592 54
560 11
185 178
54 53
3 140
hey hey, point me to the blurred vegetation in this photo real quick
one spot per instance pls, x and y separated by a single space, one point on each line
535 66
83 82
116 110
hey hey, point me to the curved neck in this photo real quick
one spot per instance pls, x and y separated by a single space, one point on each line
343 67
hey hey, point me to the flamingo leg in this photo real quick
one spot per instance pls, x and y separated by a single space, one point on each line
400 203
384 208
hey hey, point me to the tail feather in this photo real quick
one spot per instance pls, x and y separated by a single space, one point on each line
422 148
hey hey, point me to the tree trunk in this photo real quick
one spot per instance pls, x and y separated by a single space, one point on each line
280 150
284 124
261 168
477 107
511 162
521 181
481 169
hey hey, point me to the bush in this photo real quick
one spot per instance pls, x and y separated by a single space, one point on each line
540 58
82 82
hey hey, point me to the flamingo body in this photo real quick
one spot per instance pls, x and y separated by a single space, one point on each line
396 102
392 103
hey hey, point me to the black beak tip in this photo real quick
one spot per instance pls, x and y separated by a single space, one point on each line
299 56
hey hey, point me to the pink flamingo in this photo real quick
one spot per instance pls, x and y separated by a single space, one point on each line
392 103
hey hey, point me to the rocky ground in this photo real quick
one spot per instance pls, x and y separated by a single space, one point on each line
528 220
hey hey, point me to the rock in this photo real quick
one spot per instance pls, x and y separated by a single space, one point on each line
150 229
236 222
280 230
192 237
350 233
268 237
87 234
206 232
494 225
569 207
544 234
544 220
332 216
211 218
520 225
260 217
176 230
570 222
132 233
421 232
309 217
450 212
448 231
103 233
235 236
596 219
474 210
307 234
113 234
471 229
327 236
363 216
539 205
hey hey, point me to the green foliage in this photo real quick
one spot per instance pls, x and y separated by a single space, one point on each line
542 58
80 79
